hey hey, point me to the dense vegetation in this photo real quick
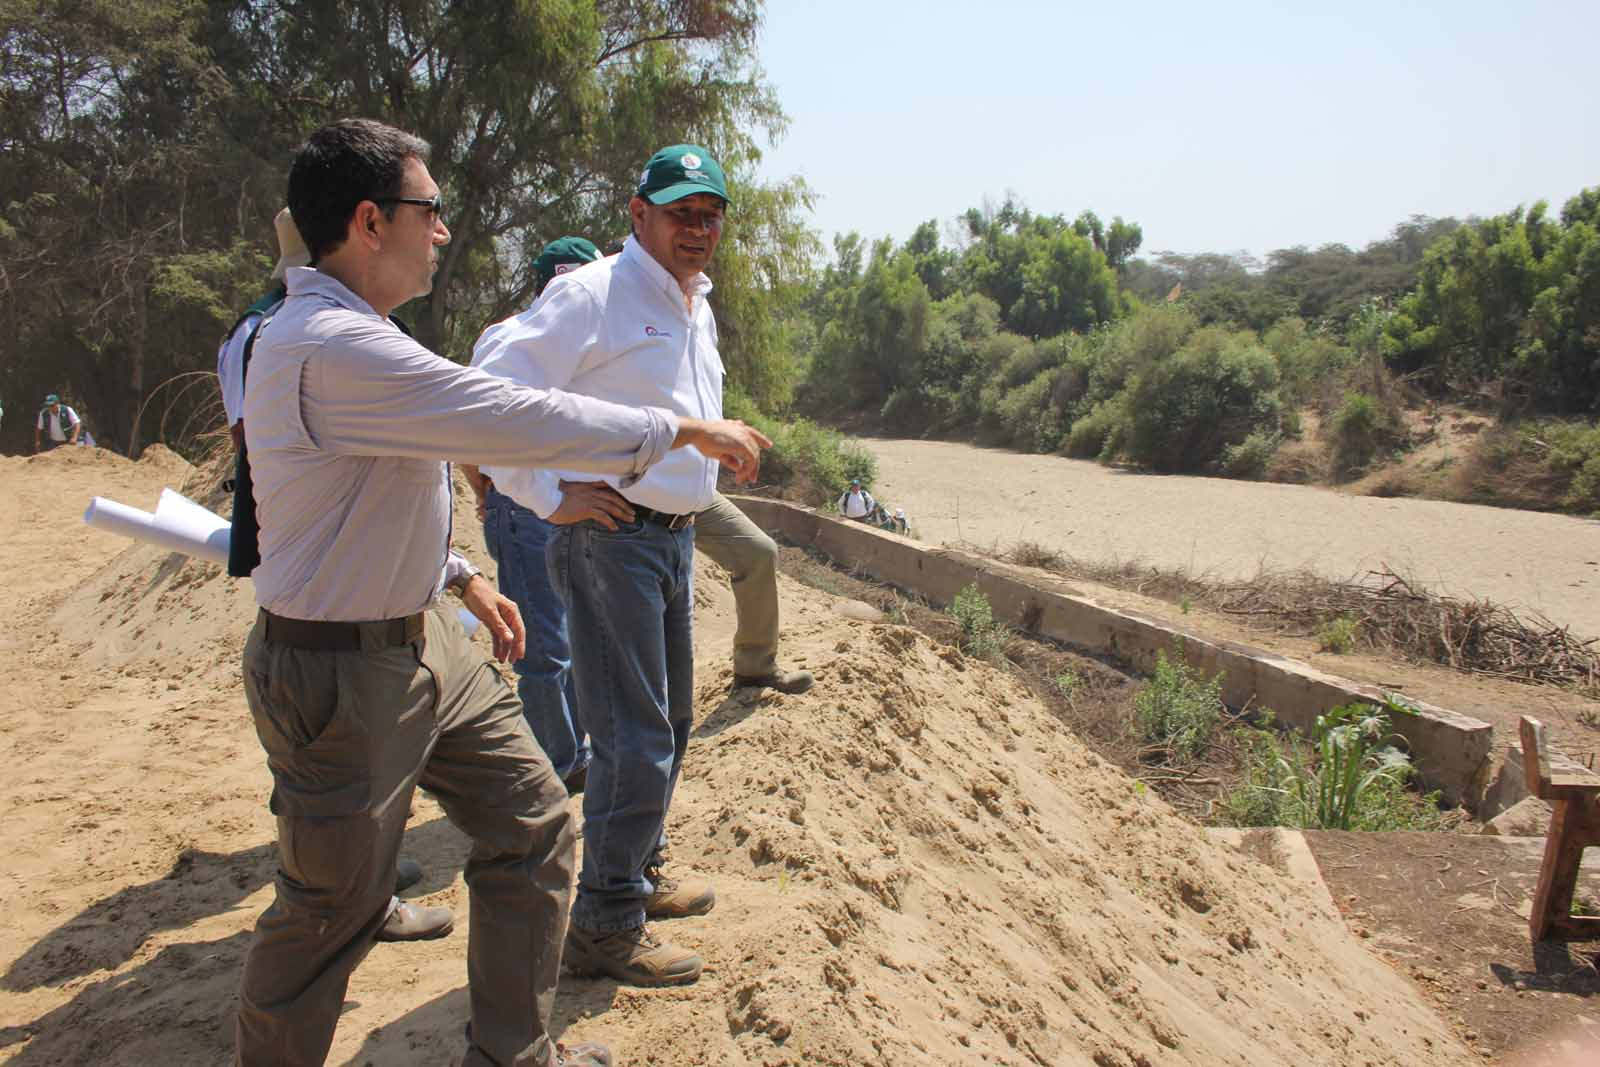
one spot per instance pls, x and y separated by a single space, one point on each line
147 143
1049 335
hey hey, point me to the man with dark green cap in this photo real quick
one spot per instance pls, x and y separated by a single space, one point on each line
516 538
634 329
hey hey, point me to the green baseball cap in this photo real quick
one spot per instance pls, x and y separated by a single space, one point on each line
561 255
52 399
679 171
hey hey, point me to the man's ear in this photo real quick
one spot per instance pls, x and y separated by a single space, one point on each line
364 224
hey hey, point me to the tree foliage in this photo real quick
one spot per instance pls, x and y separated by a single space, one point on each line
147 143
1510 306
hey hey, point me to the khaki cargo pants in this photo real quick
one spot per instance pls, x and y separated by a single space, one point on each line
725 534
348 737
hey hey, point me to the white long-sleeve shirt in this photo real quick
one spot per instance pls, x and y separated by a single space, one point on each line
617 329
347 420
230 367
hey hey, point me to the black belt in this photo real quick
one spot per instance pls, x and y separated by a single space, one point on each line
320 636
662 518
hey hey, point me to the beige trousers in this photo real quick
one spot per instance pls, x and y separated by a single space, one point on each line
726 535
348 737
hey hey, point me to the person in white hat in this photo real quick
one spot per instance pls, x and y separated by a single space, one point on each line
230 355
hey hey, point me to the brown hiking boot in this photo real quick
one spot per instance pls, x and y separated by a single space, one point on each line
633 957
782 681
677 900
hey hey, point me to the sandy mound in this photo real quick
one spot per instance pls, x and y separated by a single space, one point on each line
915 865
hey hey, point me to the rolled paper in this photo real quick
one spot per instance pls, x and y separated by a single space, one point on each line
181 525
177 512
161 531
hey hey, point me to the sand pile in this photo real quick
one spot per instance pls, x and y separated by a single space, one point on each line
915 865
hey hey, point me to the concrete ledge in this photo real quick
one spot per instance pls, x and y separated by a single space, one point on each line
1452 751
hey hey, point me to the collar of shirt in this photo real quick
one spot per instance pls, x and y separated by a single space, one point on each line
634 252
309 281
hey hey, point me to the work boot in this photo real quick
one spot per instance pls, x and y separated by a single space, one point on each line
546 1054
583 1054
673 899
633 957
408 922
407 873
783 681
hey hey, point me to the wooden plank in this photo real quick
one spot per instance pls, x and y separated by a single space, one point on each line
1535 757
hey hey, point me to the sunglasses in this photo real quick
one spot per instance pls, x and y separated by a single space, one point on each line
435 206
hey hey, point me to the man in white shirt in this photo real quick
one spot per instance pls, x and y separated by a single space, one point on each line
856 503
360 688
230 354
635 329
57 424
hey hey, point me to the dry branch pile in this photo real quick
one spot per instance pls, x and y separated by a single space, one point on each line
1392 615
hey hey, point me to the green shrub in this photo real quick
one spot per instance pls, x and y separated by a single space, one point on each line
1361 429
1215 391
1250 457
1349 778
806 462
1338 635
981 636
1178 709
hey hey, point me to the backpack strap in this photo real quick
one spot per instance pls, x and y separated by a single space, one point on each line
244 540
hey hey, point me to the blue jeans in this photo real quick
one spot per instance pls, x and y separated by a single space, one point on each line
630 607
517 538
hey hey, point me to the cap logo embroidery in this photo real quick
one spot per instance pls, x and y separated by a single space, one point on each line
645 177
697 175
690 161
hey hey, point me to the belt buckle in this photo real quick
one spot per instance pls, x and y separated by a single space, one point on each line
680 522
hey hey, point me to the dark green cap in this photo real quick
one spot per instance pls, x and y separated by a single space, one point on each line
679 171
561 255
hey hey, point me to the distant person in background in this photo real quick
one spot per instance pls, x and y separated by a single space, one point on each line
516 537
901 523
857 503
230 356
57 424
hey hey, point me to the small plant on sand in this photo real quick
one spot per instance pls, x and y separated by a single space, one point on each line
1338 635
1068 683
1351 777
1178 709
981 636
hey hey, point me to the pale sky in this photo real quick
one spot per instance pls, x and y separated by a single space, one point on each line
1219 127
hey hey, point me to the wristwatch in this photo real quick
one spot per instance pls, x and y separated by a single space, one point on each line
459 586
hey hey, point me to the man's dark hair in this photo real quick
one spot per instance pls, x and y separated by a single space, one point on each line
338 167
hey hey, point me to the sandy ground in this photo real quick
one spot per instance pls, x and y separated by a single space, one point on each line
915 865
1231 529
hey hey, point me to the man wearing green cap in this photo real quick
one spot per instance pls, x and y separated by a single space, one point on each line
634 329
516 537
57 424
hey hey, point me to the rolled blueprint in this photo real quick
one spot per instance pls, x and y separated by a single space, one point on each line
181 525
186 535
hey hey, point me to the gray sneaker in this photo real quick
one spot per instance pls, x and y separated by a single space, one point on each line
633 957
409 922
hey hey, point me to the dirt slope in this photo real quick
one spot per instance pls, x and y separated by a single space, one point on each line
915 864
